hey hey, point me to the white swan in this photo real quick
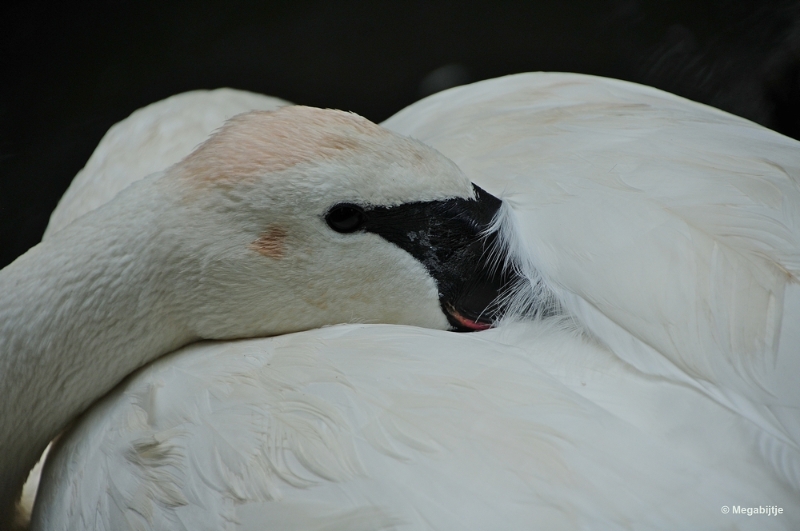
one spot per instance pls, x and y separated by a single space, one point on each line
282 221
669 229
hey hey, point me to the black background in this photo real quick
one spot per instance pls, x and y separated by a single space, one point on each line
71 70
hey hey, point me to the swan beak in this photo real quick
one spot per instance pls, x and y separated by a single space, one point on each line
451 238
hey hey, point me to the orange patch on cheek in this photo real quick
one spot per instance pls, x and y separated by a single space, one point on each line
270 243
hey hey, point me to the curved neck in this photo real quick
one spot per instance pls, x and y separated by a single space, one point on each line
77 314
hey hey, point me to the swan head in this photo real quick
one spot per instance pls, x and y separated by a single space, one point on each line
297 218
281 221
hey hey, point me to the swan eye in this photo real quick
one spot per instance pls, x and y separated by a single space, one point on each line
346 218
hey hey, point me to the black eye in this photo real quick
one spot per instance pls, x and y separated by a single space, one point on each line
346 218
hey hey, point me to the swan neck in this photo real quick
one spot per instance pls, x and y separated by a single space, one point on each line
78 313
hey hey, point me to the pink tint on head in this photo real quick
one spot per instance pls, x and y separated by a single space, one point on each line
271 141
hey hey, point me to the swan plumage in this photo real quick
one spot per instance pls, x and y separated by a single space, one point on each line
670 229
668 234
390 427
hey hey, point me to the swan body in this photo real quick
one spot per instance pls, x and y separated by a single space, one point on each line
667 234
526 426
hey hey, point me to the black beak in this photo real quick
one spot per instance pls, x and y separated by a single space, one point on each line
450 239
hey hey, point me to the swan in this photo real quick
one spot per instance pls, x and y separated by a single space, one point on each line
665 232
281 221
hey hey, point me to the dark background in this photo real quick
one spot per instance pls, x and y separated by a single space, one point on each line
70 71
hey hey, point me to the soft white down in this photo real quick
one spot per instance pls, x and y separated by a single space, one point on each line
669 233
